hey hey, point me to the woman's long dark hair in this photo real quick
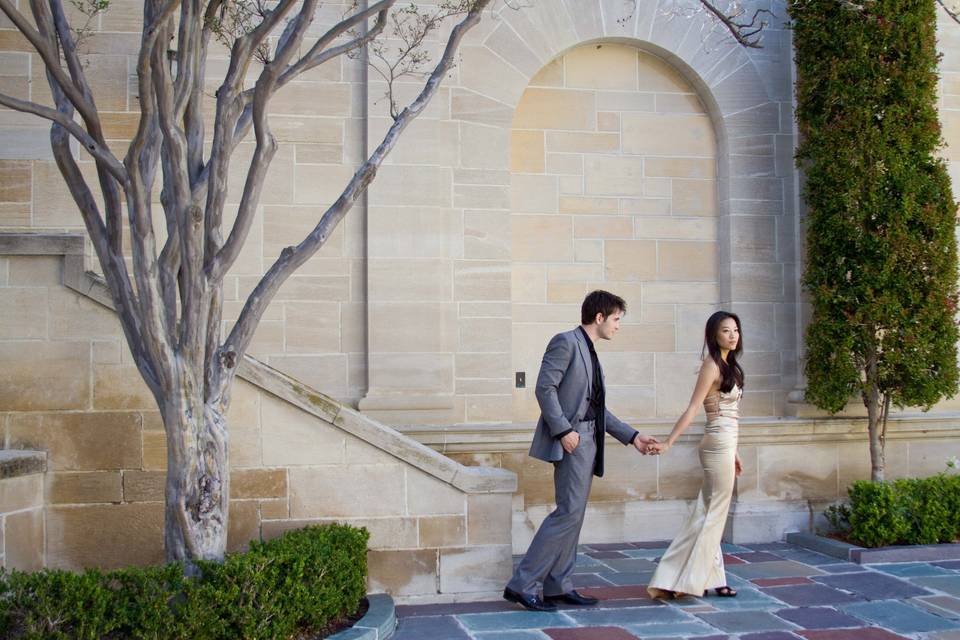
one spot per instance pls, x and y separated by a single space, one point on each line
730 371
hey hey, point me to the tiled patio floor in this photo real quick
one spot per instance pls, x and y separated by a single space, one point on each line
786 593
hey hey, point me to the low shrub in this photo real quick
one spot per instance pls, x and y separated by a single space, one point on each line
279 589
905 511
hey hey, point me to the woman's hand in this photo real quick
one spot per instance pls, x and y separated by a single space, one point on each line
658 448
737 465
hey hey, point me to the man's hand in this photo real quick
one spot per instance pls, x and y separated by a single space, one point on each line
570 441
644 444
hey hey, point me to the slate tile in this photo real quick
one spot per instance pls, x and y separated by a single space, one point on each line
649 554
841 567
581 580
758 556
417 610
590 633
770 635
805 595
726 547
429 628
912 569
745 621
806 556
779 569
628 578
611 546
864 633
747 598
953 565
818 618
636 591
943 606
873 585
693 628
631 616
779 582
770 546
513 620
634 565
731 559
606 555
899 617
947 584
652 544
527 634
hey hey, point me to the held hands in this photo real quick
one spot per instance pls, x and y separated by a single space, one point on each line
570 441
659 447
645 444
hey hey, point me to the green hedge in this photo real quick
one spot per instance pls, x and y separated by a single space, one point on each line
906 511
277 590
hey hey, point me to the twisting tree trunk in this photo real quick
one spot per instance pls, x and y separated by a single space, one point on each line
170 300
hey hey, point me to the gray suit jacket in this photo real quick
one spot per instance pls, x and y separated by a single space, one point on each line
565 379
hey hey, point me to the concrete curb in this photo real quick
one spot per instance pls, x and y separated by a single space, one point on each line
379 622
860 555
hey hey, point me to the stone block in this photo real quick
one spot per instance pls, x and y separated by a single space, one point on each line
489 518
39 376
84 487
275 509
326 373
482 365
77 536
406 279
602 227
21 492
120 386
688 260
488 408
581 205
630 260
680 292
486 235
527 152
403 573
144 486
656 74
481 196
23 313
530 193
481 280
667 134
528 282
258 483
485 334
542 238
477 568
243 526
564 109
79 441
614 175
412 371
15 179
674 228
346 491
154 445
412 327
610 66
293 437
489 147
694 197
473 107
705 168
575 142
75 316
23 539
411 185
786 476
442 531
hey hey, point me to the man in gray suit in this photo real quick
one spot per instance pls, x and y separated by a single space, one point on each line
570 434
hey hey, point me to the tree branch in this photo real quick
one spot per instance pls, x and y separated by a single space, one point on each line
747 34
952 12
292 257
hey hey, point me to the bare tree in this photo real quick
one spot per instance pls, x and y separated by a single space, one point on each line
170 300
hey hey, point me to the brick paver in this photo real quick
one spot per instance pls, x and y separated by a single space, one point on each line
786 593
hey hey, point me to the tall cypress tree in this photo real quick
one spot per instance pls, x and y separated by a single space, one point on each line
881 251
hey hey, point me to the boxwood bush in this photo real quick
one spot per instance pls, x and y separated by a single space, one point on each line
283 588
905 511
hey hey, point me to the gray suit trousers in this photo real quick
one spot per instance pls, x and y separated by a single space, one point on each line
552 554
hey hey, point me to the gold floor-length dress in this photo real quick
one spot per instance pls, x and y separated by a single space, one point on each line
693 562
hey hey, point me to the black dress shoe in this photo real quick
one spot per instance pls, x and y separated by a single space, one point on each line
527 601
573 597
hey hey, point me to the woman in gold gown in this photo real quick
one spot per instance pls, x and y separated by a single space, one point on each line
694 563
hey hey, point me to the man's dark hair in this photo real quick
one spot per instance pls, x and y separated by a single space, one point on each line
603 302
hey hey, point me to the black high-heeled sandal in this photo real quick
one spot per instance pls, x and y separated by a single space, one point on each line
723 592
